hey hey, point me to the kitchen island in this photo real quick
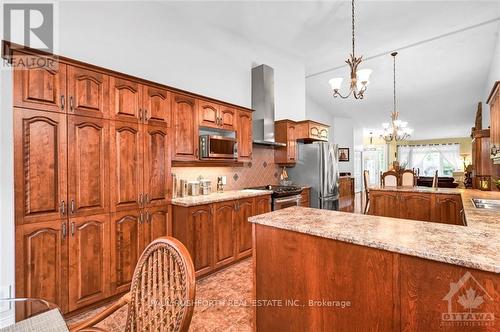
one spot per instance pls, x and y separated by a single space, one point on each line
327 270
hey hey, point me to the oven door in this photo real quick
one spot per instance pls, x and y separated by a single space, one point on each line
284 202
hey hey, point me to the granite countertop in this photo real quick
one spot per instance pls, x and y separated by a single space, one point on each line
446 191
218 197
476 245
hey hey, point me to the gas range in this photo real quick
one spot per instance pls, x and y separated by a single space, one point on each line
283 196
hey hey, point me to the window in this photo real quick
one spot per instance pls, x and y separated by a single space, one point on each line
444 158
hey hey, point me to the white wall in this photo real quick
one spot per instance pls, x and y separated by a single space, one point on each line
494 75
152 41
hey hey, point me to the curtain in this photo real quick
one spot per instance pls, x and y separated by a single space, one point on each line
445 158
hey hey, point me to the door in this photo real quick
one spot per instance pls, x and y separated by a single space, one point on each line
415 206
244 227
447 209
201 246
291 144
39 166
41 88
244 135
224 233
157 223
185 124
88 168
156 103
384 203
87 92
126 166
262 205
156 165
88 242
208 114
125 103
40 256
126 239
228 118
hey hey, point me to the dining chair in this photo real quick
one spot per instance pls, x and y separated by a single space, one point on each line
162 292
435 180
366 180
389 179
408 178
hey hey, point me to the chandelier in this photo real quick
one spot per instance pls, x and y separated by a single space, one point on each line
396 130
359 78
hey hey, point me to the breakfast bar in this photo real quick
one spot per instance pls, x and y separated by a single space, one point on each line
376 273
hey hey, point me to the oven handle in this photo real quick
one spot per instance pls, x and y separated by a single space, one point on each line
288 199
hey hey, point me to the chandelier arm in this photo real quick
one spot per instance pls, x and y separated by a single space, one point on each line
336 93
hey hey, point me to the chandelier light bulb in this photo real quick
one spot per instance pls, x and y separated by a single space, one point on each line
385 125
363 76
336 83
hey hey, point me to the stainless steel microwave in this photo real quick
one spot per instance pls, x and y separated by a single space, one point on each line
218 147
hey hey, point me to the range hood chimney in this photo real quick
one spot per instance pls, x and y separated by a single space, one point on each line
263 106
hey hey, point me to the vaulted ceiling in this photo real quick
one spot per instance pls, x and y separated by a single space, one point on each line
445 53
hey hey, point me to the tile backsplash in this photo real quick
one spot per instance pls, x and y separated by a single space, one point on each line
259 172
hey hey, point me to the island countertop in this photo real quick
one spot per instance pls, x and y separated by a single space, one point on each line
476 245
219 197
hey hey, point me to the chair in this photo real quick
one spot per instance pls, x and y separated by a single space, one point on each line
366 179
435 181
389 179
408 178
162 293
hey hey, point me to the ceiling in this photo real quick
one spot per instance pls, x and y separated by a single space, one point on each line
445 53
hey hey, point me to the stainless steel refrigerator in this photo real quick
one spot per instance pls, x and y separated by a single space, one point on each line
317 166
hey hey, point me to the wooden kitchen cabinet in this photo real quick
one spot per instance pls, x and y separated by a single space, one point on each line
285 132
416 206
228 118
218 116
157 223
262 204
481 161
156 105
87 92
185 128
310 131
125 100
41 88
41 272
494 102
40 166
384 204
245 209
88 260
244 135
224 233
305 197
448 209
88 168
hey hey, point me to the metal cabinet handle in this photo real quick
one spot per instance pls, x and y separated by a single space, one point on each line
71 103
62 208
139 200
62 102
140 114
148 220
146 115
63 231
72 206
140 218
72 229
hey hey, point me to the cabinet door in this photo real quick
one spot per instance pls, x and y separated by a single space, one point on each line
88 260
291 144
262 205
156 103
39 166
447 209
125 103
42 89
126 243
126 166
385 204
156 165
224 233
415 206
185 122
201 246
40 256
244 135
305 197
87 92
157 223
208 114
88 169
244 227
228 118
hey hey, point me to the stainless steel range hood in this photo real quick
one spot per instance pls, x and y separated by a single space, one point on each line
263 106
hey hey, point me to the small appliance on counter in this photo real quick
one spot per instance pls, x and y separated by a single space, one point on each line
183 188
193 188
205 186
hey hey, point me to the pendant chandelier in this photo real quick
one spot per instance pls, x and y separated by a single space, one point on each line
359 78
396 130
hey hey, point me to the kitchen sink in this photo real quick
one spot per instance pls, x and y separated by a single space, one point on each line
490 204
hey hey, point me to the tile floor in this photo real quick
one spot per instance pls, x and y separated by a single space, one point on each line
223 303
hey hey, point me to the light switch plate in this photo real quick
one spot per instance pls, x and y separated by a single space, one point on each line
224 180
